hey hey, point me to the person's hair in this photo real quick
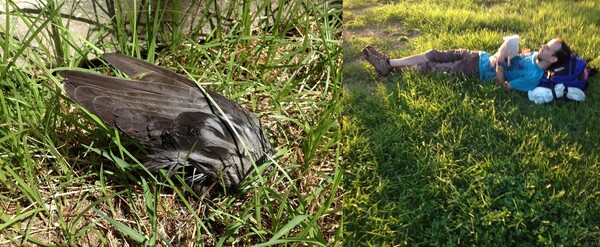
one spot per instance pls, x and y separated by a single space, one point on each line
563 55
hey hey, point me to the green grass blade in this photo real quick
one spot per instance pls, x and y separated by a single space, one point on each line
136 236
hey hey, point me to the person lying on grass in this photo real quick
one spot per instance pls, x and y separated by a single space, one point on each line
523 72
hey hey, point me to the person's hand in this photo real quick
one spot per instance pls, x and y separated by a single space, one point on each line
493 61
505 84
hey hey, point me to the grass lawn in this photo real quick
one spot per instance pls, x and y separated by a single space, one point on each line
433 159
67 180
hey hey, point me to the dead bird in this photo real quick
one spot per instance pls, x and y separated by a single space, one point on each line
212 138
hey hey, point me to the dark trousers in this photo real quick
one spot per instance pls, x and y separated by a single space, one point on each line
458 61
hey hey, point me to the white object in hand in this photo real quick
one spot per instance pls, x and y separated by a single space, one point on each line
513 45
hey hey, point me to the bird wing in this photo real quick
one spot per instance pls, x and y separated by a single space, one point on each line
171 113
145 71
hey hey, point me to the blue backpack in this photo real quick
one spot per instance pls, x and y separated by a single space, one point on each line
573 73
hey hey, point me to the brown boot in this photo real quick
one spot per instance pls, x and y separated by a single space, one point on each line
380 61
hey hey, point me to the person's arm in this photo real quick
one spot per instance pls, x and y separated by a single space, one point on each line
501 65
500 78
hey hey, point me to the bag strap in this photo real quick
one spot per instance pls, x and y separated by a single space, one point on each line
551 84
572 66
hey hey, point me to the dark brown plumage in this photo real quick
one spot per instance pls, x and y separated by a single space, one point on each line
168 112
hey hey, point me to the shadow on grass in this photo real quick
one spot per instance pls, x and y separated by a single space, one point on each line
432 159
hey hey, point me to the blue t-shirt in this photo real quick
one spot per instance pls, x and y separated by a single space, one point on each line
523 74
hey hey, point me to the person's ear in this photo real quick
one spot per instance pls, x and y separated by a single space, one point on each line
553 59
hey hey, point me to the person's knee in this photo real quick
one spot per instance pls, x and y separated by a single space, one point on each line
432 54
424 67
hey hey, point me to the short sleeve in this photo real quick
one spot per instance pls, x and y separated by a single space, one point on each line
526 82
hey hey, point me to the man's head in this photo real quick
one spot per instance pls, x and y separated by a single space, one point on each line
554 53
